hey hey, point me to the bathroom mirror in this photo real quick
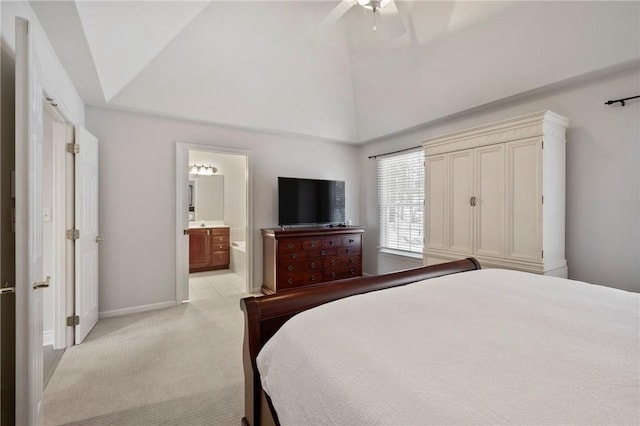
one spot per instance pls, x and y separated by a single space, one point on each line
208 196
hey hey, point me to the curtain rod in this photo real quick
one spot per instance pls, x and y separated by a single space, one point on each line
395 152
621 100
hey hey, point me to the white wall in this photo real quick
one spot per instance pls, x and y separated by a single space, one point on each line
55 79
603 178
467 54
137 203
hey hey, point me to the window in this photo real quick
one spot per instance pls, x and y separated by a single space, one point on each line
401 201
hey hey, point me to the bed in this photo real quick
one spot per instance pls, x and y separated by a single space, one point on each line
459 345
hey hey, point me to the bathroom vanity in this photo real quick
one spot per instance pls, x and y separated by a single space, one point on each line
208 248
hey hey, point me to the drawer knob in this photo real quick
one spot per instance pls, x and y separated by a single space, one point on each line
353 271
313 264
348 250
313 277
333 263
332 242
352 260
333 275
290 245
351 240
290 280
293 256
290 268
313 243
323 253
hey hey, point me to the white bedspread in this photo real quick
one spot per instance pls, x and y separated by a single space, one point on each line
483 347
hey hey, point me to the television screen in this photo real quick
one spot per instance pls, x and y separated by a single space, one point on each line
310 201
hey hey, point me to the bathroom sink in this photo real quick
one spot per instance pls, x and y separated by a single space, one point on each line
207 224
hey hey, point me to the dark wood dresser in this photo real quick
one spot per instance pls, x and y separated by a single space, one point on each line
299 257
208 249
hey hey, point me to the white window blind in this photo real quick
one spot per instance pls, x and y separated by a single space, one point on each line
401 199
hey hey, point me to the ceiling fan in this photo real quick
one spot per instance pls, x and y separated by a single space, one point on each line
387 10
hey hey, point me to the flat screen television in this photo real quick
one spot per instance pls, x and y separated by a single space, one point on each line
310 201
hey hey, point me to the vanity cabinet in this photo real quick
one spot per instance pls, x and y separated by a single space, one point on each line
208 249
300 257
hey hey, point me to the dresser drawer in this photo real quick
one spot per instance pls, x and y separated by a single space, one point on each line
290 244
322 253
297 280
348 251
311 244
342 262
220 247
332 242
351 240
300 266
343 273
287 256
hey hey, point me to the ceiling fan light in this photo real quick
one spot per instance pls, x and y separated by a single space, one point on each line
373 4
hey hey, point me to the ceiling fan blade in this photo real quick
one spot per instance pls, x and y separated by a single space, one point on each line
334 15
392 19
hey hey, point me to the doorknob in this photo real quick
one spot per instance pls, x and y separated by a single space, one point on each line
99 239
6 289
42 284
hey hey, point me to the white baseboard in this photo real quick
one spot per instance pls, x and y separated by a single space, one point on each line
48 338
136 309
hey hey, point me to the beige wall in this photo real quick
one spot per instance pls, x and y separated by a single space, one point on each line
603 173
137 203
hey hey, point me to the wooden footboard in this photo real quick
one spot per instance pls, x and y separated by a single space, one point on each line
265 315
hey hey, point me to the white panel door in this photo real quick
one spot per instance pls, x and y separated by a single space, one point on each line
489 201
460 209
29 242
86 220
435 199
524 199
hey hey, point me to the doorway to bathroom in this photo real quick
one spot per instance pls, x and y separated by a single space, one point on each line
213 200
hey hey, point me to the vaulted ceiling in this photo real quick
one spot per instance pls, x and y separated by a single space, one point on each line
296 67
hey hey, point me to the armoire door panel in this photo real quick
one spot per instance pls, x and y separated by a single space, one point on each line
435 199
512 170
460 209
524 199
490 201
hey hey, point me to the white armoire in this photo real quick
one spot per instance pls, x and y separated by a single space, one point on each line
497 193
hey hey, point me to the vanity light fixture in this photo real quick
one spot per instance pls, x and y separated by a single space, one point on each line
202 170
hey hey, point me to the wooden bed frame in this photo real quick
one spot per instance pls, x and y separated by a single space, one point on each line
265 315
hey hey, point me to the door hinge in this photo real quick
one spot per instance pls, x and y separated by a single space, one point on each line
543 199
73 320
73 148
542 254
73 234
542 144
185 231
6 289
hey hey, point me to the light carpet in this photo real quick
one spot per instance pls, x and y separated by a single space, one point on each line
176 366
